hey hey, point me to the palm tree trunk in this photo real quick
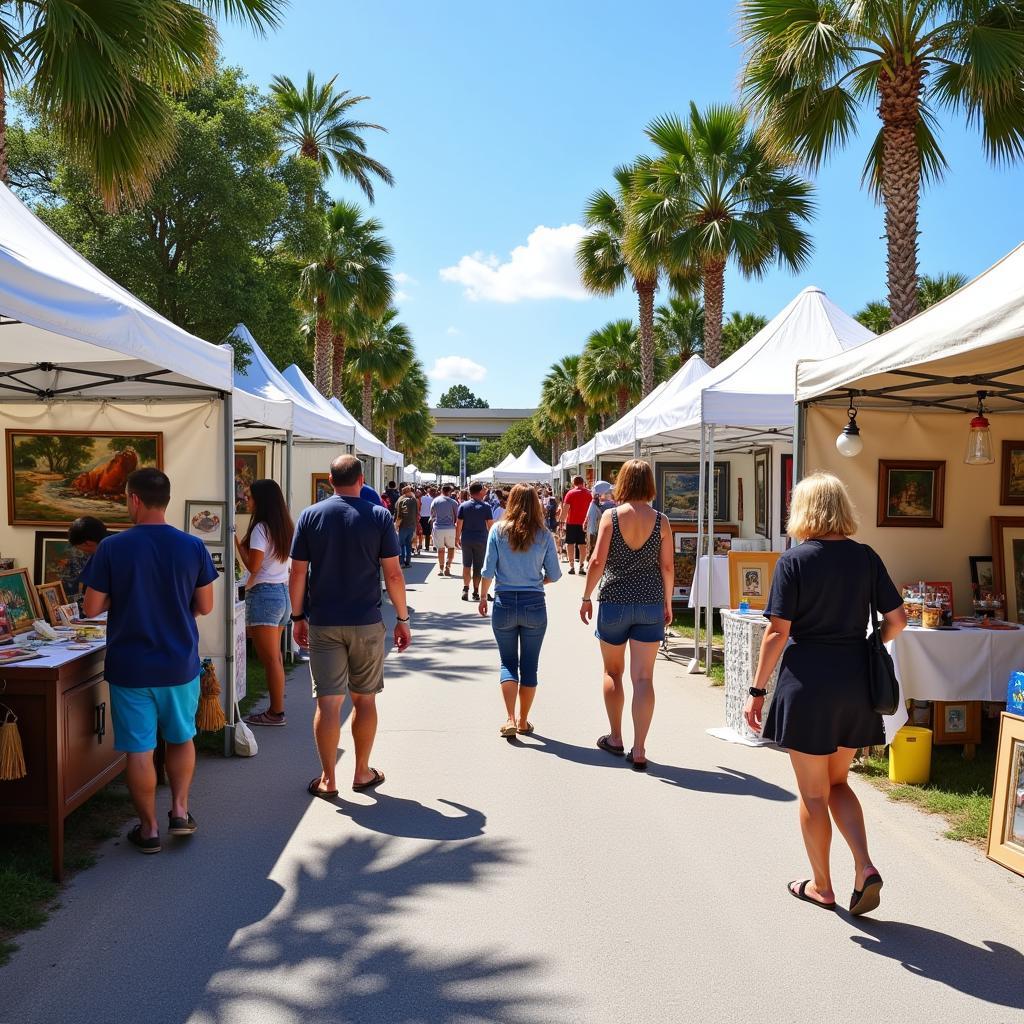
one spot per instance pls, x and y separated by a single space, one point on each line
899 109
714 301
338 364
581 429
322 352
368 401
4 169
392 441
645 295
622 401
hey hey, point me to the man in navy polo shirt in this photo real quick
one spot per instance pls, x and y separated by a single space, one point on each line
153 580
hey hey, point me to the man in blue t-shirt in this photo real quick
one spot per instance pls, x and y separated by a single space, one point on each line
341 545
153 581
474 521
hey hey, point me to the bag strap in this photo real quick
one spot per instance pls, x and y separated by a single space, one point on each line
872 593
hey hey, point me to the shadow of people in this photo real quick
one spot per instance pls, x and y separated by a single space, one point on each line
993 973
396 816
725 781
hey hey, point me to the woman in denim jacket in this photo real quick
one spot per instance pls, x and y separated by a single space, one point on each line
520 559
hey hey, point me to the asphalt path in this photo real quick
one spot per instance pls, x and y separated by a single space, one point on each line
539 880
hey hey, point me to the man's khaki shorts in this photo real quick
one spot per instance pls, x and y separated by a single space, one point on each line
444 537
346 658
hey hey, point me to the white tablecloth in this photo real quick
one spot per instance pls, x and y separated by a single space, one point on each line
719 583
960 664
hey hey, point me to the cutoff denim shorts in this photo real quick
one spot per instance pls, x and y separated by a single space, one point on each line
267 604
617 623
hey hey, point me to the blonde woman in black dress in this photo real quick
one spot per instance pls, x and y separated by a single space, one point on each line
818 612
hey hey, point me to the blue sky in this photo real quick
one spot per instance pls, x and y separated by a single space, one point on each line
503 118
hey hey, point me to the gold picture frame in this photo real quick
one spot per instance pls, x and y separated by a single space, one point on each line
1008 563
750 577
21 599
320 487
1006 825
51 597
250 465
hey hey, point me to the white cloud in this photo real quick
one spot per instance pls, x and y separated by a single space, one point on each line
544 268
401 296
403 278
453 331
457 368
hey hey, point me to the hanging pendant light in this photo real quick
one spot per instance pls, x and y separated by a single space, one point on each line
979 439
849 442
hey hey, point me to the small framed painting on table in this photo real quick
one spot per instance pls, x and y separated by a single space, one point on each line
20 599
51 597
956 722
750 577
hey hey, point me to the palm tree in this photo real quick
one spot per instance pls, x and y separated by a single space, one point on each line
102 76
813 67
679 327
739 329
401 400
347 279
562 397
716 194
619 248
316 125
877 317
609 372
382 354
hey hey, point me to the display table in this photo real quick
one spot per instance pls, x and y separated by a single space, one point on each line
719 583
964 663
743 634
63 706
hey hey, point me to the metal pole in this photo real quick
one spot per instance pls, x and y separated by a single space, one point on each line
799 433
695 661
289 441
229 576
709 621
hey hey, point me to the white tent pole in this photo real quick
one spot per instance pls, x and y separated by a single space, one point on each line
289 443
709 621
695 661
229 575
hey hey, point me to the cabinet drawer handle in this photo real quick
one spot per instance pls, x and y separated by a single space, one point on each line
101 720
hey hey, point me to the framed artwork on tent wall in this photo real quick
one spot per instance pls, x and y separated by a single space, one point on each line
762 492
55 476
1011 477
678 490
250 464
911 492
1008 563
786 492
321 487
205 520
610 471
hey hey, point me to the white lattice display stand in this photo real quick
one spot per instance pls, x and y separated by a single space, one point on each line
743 634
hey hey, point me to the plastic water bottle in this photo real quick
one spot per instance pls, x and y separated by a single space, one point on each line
744 607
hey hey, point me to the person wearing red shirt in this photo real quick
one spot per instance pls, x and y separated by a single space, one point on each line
575 506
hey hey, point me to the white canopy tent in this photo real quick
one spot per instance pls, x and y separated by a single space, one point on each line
80 353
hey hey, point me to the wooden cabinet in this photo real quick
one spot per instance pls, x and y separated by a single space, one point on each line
63 709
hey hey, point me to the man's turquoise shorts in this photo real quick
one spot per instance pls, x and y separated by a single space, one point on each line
138 710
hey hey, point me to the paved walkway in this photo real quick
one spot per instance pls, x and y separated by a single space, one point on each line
527 882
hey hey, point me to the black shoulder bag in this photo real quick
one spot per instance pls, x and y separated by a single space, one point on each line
882 681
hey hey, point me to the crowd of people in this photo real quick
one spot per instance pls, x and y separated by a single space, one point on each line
323 574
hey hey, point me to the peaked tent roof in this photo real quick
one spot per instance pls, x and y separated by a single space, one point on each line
94 337
976 334
754 388
262 378
531 462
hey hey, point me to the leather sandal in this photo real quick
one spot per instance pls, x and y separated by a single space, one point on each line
867 899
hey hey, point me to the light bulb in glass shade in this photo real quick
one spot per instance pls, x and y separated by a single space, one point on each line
979 443
849 442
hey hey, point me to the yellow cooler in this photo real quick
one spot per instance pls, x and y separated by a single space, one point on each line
910 756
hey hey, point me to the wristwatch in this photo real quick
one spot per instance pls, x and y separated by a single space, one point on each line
300 617
755 692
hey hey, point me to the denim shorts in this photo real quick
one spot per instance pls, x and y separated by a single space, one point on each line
617 623
137 711
267 604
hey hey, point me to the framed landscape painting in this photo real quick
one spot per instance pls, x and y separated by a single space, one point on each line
786 491
1008 563
322 487
762 492
53 477
678 490
250 464
19 597
911 492
1011 477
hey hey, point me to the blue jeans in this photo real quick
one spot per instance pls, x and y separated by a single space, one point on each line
519 620
405 536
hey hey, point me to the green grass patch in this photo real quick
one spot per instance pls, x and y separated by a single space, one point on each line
27 892
682 623
959 790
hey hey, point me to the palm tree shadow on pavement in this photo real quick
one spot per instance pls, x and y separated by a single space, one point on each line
725 781
991 973
328 952
396 816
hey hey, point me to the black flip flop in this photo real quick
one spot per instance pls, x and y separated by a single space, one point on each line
378 778
313 789
638 766
867 899
801 894
602 742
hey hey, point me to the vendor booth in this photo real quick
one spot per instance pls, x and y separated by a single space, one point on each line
93 385
527 468
925 426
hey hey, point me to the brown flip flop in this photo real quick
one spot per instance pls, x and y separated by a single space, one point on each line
378 778
313 789
604 744
800 893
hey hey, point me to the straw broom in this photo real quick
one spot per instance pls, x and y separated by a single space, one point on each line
12 755
209 715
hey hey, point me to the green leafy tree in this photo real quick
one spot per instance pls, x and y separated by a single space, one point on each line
739 329
317 125
458 396
876 315
60 453
402 402
679 328
102 77
816 66
212 245
439 455
379 356
716 194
